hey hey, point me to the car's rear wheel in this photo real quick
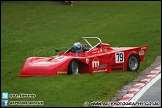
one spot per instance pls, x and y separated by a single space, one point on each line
73 67
133 63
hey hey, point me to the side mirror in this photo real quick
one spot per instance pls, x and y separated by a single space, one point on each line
57 50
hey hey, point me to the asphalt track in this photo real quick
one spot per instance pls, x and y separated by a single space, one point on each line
151 96
146 93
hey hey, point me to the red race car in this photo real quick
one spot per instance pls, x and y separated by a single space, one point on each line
87 55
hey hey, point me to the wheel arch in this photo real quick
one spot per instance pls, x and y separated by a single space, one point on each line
73 60
133 52
83 67
69 66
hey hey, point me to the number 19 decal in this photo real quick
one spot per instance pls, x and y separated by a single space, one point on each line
119 57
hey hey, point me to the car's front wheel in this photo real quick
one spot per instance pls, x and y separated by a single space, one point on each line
73 67
133 63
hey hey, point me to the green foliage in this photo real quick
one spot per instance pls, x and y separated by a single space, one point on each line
34 28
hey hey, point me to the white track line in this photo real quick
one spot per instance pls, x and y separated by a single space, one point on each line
138 89
143 90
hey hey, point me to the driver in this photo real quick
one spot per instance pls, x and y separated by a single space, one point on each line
77 47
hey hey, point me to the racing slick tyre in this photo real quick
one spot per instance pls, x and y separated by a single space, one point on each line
133 63
73 67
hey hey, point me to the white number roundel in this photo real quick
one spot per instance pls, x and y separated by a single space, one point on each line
119 57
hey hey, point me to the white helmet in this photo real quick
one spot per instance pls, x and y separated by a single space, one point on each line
77 46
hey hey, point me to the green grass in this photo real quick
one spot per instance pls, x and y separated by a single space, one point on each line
38 28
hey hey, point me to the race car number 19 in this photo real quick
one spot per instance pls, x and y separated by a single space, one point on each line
119 57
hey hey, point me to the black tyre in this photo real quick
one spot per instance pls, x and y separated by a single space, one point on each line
73 67
133 63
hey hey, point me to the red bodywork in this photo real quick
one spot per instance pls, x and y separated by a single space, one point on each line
99 58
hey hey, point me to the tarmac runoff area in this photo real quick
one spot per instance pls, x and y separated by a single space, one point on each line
138 89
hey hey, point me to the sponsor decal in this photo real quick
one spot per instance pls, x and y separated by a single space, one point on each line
102 66
105 50
95 52
141 52
60 57
61 73
41 63
105 47
96 65
102 70
48 63
87 60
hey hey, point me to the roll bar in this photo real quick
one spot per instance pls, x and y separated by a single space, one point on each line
85 39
